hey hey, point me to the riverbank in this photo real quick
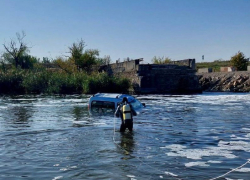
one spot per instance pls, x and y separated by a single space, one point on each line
42 81
225 81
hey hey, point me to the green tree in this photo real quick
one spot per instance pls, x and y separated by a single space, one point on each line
67 65
88 59
27 61
84 60
161 60
15 50
76 51
239 61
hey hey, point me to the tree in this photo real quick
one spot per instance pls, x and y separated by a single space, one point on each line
88 59
46 60
104 61
239 61
68 65
15 50
27 61
161 60
83 60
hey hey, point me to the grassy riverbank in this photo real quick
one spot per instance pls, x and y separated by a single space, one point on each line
42 81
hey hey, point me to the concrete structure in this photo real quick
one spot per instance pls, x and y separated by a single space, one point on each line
248 68
227 69
157 78
205 70
186 62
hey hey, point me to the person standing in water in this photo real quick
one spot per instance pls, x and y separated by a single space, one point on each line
126 112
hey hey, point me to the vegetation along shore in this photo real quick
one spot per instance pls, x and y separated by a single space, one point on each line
22 73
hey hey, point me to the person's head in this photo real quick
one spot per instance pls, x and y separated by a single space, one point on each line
125 99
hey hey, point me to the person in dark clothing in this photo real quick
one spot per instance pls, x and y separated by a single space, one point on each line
126 112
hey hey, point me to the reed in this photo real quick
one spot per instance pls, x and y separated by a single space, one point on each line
59 82
101 82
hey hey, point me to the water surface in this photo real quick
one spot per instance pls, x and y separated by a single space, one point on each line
175 137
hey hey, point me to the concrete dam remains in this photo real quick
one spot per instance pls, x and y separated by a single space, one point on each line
175 78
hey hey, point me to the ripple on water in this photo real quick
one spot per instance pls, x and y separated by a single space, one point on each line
200 135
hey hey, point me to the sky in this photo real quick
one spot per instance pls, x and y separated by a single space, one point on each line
177 29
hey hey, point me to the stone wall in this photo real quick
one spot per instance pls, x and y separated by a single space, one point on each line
237 81
157 78
169 78
186 62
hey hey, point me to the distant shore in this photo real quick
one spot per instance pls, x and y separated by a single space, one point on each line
238 81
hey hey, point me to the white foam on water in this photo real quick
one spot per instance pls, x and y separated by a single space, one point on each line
63 169
176 154
174 147
68 168
190 164
47 105
240 138
234 145
181 151
246 129
23 99
80 122
99 123
248 135
58 177
218 151
215 162
130 176
171 174
243 170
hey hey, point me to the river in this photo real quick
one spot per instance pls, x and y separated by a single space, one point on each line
189 137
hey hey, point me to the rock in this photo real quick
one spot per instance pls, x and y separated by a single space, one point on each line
225 81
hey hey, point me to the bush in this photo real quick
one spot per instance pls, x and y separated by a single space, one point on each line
42 81
101 82
36 82
10 82
239 61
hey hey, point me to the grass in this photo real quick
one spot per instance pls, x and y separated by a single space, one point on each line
214 65
58 82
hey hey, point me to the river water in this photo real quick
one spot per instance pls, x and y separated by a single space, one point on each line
189 137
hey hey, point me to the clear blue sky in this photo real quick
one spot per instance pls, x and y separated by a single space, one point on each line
178 29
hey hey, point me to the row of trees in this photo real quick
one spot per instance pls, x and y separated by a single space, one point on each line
16 53
239 61
22 73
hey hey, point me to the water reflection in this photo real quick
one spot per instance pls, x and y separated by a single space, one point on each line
17 116
127 141
78 112
21 114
